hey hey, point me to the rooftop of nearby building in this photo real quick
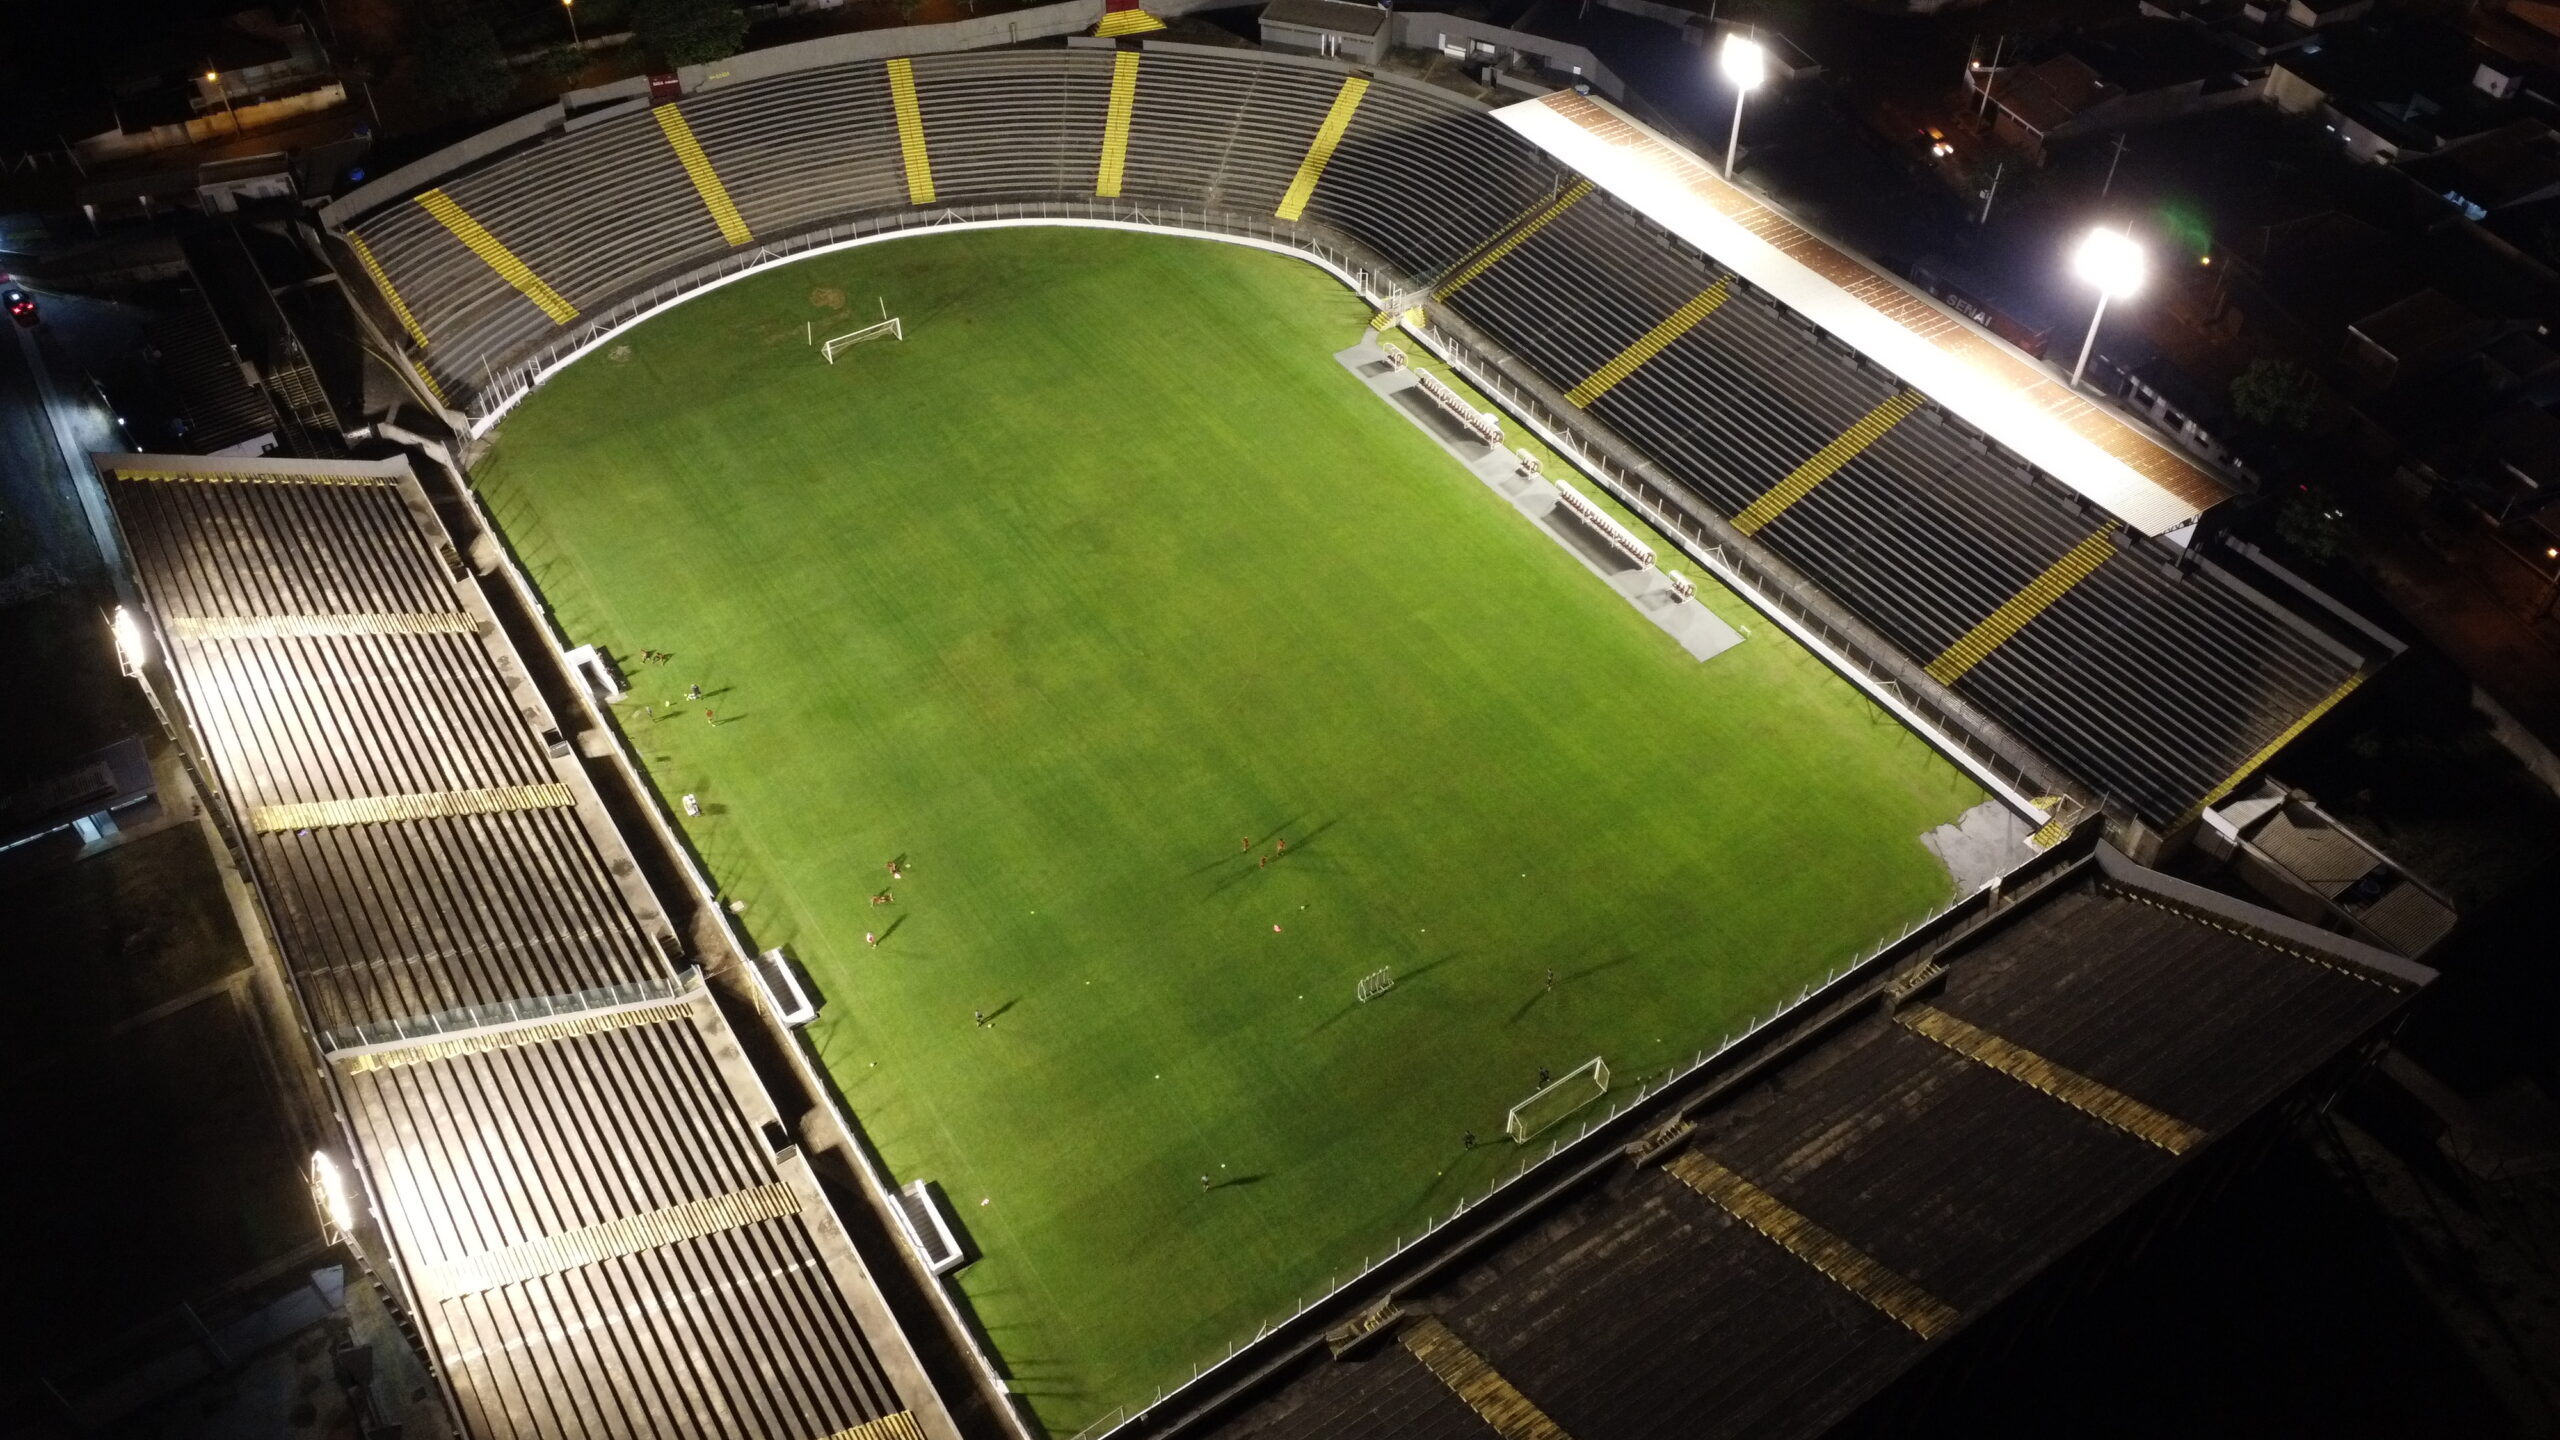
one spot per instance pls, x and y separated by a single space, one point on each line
1338 16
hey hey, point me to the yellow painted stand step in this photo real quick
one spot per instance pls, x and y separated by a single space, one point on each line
2092 1098
902 94
1996 627
1848 1266
706 181
1537 219
1293 204
382 282
1653 342
1115 124
480 242
1826 462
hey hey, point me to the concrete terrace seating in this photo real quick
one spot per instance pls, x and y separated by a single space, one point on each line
527 911
590 1201
749 1340
2156 687
2151 686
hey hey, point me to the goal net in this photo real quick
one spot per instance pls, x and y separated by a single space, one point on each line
1539 1113
1374 984
891 327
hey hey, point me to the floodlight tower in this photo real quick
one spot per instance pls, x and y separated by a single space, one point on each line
1745 62
2110 261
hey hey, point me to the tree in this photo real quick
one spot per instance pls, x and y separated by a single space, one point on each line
690 32
2313 525
460 67
2278 394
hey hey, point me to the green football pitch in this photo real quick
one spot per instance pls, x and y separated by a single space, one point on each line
1080 600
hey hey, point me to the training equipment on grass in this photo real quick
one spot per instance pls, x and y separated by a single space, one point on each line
1577 1087
1376 983
891 327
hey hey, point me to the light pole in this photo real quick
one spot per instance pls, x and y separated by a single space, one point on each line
2110 261
571 6
1745 62
214 78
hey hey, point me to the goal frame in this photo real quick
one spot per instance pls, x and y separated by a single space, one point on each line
1553 1103
892 327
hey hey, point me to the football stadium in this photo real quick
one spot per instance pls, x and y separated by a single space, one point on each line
1124 737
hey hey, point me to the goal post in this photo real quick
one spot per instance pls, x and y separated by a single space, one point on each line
1374 984
893 327
1571 1091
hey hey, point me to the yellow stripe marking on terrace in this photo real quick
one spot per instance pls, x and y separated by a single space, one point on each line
1473 1379
2099 1101
1651 343
1519 233
2267 751
384 809
628 1235
1922 1313
1996 627
900 1425
514 1038
1293 204
382 282
1115 125
902 94
297 627
425 378
1826 462
480 242
706 181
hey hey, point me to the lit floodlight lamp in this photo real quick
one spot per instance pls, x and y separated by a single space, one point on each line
130 651
331 1187
1745 62
2110 261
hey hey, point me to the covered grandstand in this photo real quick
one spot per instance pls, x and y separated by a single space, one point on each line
595 1212
2085 662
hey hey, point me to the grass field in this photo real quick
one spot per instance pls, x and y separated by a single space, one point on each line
1104 581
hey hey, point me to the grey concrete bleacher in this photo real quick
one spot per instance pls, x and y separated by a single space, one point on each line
593 1208
2152 686
478 1186
523 907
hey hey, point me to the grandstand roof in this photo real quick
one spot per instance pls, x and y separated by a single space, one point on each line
1869 1195
2088 447
600 1218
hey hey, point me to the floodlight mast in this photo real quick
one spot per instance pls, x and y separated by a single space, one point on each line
1745 62
2111 262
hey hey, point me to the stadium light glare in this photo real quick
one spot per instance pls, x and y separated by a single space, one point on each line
333 1191
2113 263
129 643
1745 62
